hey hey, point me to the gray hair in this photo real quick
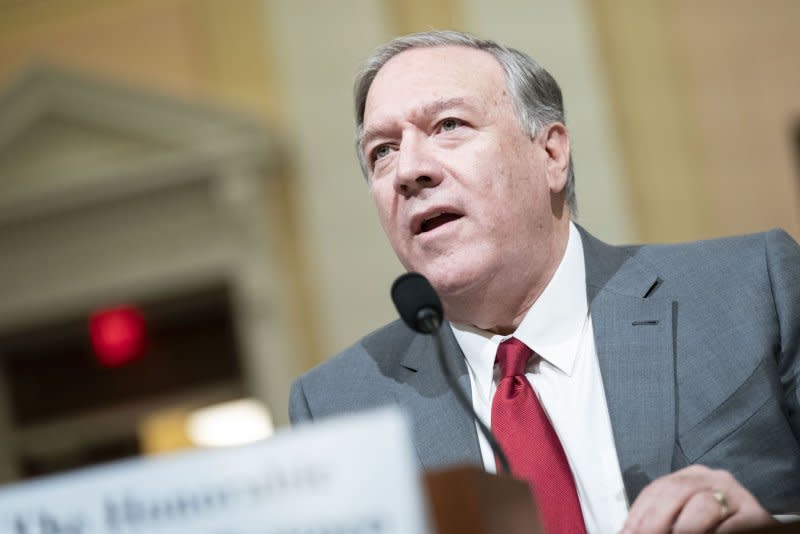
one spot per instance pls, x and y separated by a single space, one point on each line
535 94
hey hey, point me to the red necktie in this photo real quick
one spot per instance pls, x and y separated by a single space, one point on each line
531 444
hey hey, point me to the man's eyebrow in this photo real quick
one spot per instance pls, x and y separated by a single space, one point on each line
431 108
441 104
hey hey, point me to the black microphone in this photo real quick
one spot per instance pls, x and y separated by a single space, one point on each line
420 308
417 303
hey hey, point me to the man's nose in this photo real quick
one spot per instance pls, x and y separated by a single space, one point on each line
417 167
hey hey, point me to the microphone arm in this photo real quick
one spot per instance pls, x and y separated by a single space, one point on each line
430 319
420 308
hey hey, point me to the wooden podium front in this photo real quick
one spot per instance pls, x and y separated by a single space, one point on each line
468 500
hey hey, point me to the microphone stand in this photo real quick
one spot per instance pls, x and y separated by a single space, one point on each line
431 323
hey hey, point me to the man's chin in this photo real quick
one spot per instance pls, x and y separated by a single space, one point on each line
452 275
449 284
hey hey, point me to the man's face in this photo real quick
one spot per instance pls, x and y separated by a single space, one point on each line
463 193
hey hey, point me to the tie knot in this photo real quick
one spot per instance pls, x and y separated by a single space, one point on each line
513 356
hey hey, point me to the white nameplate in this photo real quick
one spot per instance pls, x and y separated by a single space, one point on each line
354 475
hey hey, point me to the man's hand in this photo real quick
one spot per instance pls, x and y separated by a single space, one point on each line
695 499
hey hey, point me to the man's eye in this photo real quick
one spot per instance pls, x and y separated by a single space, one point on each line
380 152
450 124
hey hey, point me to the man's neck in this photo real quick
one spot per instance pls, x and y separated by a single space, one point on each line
500 305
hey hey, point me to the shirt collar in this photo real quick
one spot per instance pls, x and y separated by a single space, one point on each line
552 327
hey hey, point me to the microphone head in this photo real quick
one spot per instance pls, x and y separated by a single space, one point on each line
417 302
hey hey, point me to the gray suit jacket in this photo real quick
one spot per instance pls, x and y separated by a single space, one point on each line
699 349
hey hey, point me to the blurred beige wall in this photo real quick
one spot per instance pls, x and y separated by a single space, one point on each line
707 101
680 112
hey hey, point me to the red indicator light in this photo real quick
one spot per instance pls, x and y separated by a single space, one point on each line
118 335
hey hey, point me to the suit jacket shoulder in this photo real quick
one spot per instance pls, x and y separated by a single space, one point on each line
698 347
396 366
352 380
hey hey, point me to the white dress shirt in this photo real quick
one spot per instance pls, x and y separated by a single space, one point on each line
567 380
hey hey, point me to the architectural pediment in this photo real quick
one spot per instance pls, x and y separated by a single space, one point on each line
67 138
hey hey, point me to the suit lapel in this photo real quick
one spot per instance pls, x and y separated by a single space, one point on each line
444 433
633 331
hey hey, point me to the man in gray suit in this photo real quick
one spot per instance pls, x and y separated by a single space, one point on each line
670 372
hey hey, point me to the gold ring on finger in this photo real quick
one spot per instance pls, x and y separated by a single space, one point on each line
723 504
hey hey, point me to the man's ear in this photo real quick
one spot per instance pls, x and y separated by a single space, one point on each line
556 144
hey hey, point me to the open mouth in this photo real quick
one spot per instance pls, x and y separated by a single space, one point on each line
437 221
